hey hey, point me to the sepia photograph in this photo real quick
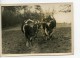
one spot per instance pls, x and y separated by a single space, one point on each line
37 29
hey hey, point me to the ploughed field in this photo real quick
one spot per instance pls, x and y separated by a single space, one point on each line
14 41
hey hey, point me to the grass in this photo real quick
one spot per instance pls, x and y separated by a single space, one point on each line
13 42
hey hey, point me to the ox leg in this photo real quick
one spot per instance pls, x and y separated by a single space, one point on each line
46 34
31 39
28 42
51 34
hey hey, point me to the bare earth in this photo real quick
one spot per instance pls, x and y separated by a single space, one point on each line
13 42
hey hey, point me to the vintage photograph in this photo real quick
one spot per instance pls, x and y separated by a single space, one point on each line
37 28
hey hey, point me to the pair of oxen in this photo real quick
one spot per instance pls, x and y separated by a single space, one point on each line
30 28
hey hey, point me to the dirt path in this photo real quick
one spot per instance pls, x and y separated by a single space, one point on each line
13 28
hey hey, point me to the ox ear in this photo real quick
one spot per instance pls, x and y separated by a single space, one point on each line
25 21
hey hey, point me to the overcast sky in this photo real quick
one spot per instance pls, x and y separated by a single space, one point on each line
59 16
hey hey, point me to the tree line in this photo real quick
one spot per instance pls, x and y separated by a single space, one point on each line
12 16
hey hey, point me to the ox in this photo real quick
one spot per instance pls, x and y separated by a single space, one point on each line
48 25
30 29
